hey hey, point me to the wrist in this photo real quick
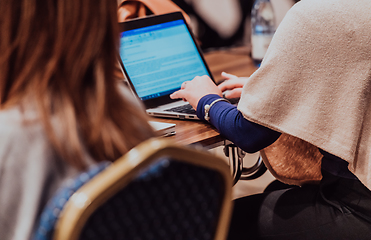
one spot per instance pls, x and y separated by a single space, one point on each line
207 99
207 107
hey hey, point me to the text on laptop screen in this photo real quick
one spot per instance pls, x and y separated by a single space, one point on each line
159 58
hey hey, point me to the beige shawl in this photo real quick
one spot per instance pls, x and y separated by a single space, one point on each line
314 85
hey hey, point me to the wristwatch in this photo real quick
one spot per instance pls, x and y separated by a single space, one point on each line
208 106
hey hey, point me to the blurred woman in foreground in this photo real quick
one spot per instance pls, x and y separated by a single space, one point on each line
61 106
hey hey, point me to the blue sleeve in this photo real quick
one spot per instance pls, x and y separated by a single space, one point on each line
231 124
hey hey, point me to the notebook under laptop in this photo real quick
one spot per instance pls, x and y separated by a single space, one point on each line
158 54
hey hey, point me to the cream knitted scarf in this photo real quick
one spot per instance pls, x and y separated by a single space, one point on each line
314 85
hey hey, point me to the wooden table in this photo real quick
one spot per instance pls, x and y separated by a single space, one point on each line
235 61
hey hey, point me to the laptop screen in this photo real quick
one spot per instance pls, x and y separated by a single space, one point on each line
160 57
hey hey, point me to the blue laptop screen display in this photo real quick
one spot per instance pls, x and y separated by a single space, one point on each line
159 58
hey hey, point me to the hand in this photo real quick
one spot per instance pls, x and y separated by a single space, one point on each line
193 91
232 83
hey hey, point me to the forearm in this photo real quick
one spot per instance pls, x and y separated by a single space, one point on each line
231 124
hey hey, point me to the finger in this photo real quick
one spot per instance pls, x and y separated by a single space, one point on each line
177 94
235 93
229 85
224 86
228 75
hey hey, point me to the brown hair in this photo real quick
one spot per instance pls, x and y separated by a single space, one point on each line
62 54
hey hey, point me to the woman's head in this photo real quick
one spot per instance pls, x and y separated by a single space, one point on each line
62 55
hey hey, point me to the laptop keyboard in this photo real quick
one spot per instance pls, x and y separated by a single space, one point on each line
188 109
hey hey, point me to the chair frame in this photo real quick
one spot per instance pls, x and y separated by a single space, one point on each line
119 174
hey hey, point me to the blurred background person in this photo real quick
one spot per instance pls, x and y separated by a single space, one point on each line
225 23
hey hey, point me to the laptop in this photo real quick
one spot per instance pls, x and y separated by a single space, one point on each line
157 54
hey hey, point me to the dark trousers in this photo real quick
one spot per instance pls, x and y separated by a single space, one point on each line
337 208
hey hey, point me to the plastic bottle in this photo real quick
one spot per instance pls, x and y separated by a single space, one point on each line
262 29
